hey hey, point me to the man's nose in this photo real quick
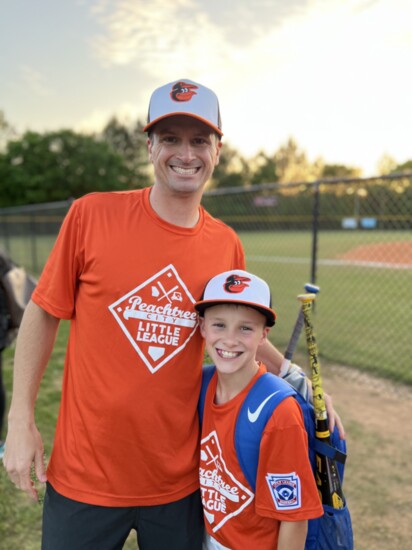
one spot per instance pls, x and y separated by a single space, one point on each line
186 152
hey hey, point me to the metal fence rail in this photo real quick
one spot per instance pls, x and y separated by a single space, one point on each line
352 237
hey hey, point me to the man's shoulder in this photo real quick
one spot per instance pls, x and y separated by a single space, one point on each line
217 223
109 197
106 201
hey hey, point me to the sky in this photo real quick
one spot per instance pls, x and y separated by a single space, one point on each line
333 74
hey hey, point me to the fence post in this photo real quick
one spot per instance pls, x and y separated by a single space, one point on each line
315 229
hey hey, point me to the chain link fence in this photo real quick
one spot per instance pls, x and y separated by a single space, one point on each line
351 237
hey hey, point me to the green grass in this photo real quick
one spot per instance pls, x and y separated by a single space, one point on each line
362 314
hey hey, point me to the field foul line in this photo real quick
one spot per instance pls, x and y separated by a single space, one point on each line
337 263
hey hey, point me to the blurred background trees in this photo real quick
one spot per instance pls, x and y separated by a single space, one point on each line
52 166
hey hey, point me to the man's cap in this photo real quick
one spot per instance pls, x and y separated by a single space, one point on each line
184 97
238 287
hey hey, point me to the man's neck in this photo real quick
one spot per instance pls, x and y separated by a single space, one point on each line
181 210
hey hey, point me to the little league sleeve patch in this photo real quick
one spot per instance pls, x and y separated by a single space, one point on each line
285 490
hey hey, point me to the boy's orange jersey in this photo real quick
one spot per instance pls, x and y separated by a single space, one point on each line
235 516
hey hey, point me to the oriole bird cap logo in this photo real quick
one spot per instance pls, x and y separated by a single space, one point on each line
235 284
183 91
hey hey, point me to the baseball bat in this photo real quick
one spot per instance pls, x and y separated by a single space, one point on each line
327 474
297 329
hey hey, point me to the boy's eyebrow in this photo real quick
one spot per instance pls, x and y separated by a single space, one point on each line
243 321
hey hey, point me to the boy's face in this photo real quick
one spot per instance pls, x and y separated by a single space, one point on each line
232 334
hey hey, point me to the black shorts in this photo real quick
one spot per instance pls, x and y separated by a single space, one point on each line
72 525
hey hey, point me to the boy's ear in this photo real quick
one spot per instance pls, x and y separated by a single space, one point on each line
264 335
201 326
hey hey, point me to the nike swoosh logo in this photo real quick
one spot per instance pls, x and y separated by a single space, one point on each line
253 416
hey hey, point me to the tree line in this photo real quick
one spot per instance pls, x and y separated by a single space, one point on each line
59 165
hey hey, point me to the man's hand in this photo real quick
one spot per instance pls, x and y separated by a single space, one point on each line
295 376
333 417
24 448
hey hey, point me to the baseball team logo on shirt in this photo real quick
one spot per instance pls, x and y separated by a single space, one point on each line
223 496
285 490
157 317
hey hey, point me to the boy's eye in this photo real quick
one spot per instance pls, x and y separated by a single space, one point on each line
246 329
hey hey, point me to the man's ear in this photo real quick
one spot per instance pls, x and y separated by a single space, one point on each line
149 148
218 149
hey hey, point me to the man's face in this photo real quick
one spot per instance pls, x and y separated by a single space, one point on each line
184 153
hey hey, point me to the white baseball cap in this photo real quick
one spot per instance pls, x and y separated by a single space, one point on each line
238 287
184 97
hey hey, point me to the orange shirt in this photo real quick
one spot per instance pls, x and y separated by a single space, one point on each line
127 432
235 516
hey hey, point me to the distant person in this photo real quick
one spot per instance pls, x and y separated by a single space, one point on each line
15 290
235 318
4 322
126 269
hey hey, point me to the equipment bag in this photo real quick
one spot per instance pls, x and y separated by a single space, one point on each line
16 285
333 530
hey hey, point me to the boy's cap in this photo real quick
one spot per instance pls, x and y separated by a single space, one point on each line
238 287
184 97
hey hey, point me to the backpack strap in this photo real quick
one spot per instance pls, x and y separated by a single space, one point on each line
207 373
329 450
336 449
263 398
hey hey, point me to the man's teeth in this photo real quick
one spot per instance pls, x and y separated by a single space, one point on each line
228 354
185 171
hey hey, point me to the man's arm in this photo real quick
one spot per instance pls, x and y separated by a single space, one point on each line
24 445
273 360
292 535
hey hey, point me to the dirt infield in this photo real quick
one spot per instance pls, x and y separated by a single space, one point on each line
396 252
378 479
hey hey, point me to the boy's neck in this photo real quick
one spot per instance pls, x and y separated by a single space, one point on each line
230 385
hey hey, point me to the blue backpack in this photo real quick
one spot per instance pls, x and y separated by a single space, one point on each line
332 531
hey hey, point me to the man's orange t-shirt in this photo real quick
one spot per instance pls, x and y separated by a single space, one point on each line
236 517
127 432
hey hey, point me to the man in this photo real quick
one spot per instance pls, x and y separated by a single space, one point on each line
126 270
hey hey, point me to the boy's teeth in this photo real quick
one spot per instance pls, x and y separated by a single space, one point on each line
228 354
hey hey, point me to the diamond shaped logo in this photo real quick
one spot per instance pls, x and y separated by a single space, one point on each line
157 317
223 496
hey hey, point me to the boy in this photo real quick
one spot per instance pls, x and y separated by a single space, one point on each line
235 318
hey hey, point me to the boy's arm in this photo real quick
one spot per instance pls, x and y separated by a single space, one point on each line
292 535
24 445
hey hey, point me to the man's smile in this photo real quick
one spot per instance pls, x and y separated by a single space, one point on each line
185 171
